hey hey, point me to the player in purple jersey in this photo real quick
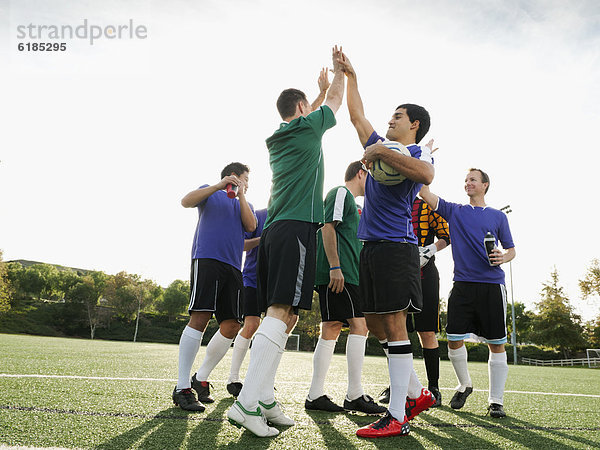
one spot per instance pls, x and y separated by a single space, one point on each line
477 303
389 270
216 279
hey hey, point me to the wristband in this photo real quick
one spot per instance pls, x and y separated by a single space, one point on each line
336 267
432 248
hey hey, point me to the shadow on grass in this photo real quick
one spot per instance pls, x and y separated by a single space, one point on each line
522 432
165 430
331 436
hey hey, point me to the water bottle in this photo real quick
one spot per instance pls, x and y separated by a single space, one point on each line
490 244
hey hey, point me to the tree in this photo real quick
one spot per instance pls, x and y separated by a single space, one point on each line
523 319
87 291
129 295
557 325
176 299
5 289
590 285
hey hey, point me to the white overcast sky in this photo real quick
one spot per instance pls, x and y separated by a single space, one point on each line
100 143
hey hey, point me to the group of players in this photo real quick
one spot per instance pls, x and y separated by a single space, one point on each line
373 269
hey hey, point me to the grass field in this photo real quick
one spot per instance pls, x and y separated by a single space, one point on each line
111 395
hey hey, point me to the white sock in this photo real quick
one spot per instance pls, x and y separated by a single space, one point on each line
269 339
267 394
414 385
459 362
215 350
240 348
321 361
498 372
189 343
400 362
355 357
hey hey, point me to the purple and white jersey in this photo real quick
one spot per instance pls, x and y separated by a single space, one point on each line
387 212
219 233
251 256
468 227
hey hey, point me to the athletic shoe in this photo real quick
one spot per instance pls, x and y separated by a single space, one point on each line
496 411
459 398
234 388
323 403
252 421
186 400
365 404
274 414
438 396
202 388
385 427
423 402
384 397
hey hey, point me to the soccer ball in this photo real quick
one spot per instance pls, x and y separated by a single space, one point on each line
385 174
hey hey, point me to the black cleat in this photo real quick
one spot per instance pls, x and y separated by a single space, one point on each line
234 388
186 400
323 403
496 411
202 388
365 404
459 398
384 397
438 396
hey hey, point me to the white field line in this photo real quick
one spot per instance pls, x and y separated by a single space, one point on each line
306 383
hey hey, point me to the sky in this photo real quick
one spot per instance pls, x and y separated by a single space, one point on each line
101 141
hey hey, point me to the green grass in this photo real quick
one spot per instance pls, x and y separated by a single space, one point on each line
137 412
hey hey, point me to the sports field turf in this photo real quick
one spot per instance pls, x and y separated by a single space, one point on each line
101 394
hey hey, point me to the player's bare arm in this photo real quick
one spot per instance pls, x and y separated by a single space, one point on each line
336 277
249 244
247 216
336 90
355 106
412 168
499 257
197 196
324 84
429 197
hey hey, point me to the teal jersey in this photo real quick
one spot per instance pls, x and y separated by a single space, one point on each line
296 159
340 207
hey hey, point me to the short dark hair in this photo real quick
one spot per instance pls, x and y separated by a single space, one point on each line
234 167
352 170
287 101
416 112
484 177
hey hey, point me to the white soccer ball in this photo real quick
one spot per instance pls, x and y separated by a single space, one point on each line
385 174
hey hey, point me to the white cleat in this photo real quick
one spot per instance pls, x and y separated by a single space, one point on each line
274 414
252 421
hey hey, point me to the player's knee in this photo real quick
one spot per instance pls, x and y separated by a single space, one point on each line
229 328
358 326
330 330
199 320
428 339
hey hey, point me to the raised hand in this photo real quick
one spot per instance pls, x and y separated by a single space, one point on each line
323 80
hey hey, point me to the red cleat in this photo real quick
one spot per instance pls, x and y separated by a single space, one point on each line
385 427
414 406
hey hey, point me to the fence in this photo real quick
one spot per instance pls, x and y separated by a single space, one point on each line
590 362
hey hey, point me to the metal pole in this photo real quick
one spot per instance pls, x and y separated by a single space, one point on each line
514 327
506 209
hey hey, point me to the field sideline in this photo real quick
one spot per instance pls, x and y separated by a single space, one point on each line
102 394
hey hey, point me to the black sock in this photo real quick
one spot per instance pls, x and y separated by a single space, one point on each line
432 365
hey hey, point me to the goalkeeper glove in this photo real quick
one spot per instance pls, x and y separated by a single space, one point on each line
425 254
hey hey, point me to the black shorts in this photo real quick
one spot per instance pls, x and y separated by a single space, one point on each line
478 308
216 286
342 306
390 278
429 318
286 264
250 303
